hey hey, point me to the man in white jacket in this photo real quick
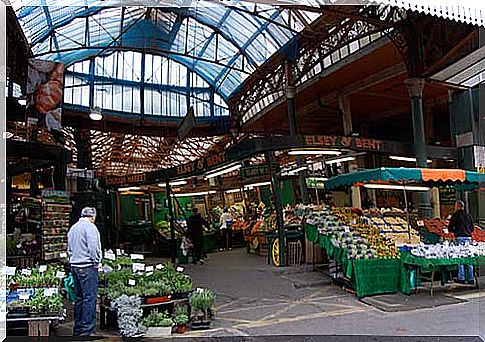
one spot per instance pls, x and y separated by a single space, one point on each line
226 229
84 249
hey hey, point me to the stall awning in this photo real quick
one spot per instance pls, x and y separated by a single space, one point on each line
406 175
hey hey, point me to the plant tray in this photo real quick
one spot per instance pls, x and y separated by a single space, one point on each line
184 295
157 300
158 331
201 325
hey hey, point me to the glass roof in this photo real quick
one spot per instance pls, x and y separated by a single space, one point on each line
222 43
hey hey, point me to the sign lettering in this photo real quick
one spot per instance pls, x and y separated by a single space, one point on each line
344 142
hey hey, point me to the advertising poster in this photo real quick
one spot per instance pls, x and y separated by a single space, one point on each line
45 92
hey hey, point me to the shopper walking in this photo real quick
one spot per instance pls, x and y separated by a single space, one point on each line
461 224
226 229
195 232
84 250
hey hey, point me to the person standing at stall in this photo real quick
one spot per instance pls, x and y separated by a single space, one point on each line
195 232
461 224
84 251
226 229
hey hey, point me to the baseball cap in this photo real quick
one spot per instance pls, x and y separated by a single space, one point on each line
88 212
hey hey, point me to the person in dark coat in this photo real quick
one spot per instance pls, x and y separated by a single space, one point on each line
461 224
195 232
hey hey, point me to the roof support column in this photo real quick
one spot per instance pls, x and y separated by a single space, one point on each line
345 108
415 88
290 92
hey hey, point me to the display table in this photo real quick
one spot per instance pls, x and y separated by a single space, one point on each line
368 276
38 326
410 262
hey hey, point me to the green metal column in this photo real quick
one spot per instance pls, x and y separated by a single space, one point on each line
291 103
415 89
275 185
173 243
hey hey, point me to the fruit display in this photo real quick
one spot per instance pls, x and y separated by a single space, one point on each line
447 250
394 227
362 241
437 226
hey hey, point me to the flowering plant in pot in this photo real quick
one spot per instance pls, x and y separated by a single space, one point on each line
180 319
158 324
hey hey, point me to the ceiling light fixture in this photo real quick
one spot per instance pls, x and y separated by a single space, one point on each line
129 188
406 159
314 152
95 114
396 187
193 194
339 160
254 185
233 191
221 172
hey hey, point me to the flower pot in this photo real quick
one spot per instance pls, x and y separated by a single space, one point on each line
181 329
158 331
157 300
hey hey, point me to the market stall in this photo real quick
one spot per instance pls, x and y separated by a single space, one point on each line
380 251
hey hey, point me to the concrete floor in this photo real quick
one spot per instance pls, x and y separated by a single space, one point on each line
254 299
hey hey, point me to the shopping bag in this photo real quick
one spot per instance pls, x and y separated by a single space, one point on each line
70 289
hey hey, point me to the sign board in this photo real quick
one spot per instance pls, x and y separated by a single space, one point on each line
81 173
315 183
45 85
335 141
55 195
187 124
479 152
465 139
258 170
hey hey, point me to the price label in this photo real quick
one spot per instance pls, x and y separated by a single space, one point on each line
9 271
138 267
51 291
24 296
137 257
180 269
63 255
26 272
118 252
149 274
199 289
42 268
60 274
107 269
19 245
131 282
109 256
149 269
160 267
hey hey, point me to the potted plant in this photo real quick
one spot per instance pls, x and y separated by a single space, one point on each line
182 285
157 292
158 324
180 319
202 302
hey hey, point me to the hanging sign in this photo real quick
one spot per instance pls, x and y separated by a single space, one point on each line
187 124
258 170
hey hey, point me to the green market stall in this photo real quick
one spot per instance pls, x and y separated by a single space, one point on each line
367 276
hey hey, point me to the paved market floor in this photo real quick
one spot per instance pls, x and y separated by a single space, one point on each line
254 299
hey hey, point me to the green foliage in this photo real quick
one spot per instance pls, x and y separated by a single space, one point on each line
157 319
202 300
39 302
181 315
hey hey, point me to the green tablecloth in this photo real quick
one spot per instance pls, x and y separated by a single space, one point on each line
311 232
429 265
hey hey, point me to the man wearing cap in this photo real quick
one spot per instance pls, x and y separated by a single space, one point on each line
84 250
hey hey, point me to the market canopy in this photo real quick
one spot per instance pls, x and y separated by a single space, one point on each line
406 176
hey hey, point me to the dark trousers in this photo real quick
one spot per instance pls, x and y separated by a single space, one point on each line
86 285
198 251
226 237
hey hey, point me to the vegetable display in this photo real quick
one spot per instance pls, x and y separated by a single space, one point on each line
157 319
447 250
